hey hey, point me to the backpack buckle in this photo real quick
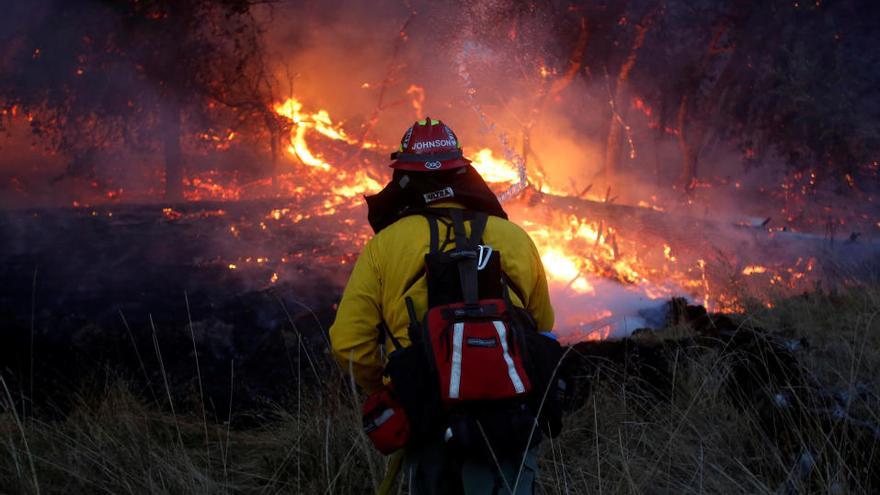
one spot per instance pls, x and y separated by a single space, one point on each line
458 254
484 253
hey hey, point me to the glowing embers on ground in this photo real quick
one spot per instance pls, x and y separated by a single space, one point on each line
596 289
752 269
600 276
212 185
207 186
577 252
572 247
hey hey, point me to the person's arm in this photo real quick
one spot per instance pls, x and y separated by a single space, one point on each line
354 334
539 298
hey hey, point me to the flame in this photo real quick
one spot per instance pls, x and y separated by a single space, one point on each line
593 326
600 334
319 122
564 268
577 251
171 213
492 169
205 186
667 253
705 280
753 269
418 99
360 184
219 141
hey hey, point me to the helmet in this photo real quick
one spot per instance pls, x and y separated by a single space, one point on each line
429 146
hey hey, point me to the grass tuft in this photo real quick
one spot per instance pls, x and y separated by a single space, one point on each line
623 439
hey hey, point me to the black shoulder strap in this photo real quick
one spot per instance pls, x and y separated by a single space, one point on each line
461 238
478 227
384 331
510 284
466 257
414 329
435 233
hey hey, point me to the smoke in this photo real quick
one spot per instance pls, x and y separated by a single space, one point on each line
495 71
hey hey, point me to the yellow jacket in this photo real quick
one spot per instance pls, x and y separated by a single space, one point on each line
390 260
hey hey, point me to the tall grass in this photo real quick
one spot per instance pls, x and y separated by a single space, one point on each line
624 438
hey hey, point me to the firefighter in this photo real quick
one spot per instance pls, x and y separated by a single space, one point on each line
430 174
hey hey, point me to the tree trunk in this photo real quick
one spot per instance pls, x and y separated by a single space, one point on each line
690 140
272 126
275 170
693 128
612 148
575 61
658 164
173 156
618 109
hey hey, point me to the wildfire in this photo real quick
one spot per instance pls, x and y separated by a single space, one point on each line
576 251
667 252
219 141
493 169
319 122
171 214
753 269
561 267
359 184
582 255
206 187
417 93
591 327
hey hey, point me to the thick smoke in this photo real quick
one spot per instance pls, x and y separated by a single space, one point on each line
495 72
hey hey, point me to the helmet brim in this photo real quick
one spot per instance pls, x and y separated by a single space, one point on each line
430 166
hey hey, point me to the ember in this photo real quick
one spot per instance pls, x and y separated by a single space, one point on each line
182 201
600 227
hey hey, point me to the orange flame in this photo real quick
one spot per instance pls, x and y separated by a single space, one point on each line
319 121
576 250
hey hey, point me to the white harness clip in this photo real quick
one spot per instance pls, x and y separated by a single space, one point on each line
483 256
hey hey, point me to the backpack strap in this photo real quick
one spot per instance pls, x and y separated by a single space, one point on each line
415 328
461 238
465 254
478 227
384 332
509 284
434 246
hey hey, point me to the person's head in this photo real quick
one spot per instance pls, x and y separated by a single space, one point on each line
429 170
429 146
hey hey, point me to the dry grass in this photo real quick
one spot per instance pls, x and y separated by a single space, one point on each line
622 440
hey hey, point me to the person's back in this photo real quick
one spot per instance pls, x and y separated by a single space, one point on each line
391 270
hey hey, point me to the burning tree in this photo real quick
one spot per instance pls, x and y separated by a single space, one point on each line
155 75
165 76
790 81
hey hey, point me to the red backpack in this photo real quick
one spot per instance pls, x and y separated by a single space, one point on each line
476 353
